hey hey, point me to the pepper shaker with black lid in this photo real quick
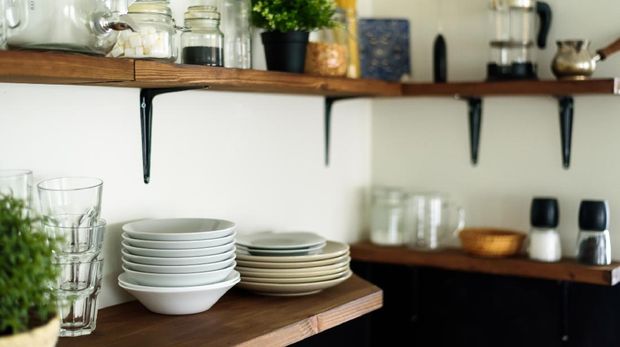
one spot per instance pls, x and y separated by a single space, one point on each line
593 246
544 239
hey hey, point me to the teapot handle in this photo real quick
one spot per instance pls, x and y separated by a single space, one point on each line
544 13
609 50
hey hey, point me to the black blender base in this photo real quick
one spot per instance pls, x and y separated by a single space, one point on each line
515 71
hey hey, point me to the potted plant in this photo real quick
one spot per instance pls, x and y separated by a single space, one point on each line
27 302
287 24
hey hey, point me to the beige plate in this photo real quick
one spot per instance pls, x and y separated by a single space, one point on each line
294 279
332 249
292 288
294 265
287 273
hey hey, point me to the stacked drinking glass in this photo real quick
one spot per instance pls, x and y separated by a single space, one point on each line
71 208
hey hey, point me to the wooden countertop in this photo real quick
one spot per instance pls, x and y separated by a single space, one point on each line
240 318
455 259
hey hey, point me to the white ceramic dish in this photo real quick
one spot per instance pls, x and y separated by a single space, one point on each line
293 265
178 269
177 301
290 273
292 288
178 244
280 252
284 240
179 229
178 280
177 253
332 249
294 279
138 259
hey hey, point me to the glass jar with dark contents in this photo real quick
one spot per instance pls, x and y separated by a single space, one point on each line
202 40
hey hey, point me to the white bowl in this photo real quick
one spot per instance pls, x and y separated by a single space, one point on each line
176 301
178 244
179 229
177 253
207 259
179 269
178 280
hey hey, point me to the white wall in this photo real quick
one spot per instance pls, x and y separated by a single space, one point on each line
255 159
422 144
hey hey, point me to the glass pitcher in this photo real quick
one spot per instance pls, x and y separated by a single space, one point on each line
430 220
87 26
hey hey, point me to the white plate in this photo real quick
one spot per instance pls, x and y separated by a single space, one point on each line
284 240
293 265
332 249
178 280
179 229
177 253
293 279
178 244
289 273
177 261
292 288
280 252
185 300
178 269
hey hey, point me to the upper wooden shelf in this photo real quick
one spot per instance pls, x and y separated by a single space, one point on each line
454 259
66 68
240 318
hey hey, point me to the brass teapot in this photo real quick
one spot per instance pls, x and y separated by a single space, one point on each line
573 61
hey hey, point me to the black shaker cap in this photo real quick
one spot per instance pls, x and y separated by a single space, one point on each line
545 213
593 215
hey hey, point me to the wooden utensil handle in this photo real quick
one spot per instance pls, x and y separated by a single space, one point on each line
609 50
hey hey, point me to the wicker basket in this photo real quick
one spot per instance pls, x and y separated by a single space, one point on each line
491 242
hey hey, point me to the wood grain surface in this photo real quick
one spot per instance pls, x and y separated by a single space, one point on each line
240 318
456 259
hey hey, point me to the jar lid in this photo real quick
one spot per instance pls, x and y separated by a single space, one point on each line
544 213
151 6
593 215
202 12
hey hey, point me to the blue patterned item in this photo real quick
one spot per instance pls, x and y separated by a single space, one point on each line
384 48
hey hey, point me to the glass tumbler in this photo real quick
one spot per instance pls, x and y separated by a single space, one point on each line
17 183
429 220
71 201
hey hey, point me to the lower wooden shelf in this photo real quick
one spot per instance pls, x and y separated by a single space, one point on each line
240 318
455 259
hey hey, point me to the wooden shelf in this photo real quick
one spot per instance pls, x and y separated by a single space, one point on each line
454 259
238 319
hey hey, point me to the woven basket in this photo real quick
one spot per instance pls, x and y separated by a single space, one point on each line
491 242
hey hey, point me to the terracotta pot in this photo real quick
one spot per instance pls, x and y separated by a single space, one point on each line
43 336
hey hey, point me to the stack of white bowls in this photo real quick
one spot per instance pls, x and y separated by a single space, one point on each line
291 264
178 266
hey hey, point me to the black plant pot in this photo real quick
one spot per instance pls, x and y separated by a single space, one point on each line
285 51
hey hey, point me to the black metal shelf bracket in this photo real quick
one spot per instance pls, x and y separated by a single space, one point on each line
475 123
567 107
329 103
146 123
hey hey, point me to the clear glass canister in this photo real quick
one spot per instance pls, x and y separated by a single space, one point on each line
237 31
327 53
594 247
202 41
154 37
386 217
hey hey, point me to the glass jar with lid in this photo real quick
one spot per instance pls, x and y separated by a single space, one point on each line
154 37
202 41
386 217
327 53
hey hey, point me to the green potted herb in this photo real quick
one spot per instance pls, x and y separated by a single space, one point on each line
27 302
287 24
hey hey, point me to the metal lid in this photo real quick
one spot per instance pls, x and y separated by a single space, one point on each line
525 4
151 6
202 12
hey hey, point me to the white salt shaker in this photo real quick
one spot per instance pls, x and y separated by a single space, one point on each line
544 239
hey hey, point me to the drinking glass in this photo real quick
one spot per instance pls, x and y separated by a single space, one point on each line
71 201
429 220
17 183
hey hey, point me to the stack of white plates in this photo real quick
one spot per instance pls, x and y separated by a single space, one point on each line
291 264
178 266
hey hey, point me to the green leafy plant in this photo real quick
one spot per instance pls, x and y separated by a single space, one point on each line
26 270
293 15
